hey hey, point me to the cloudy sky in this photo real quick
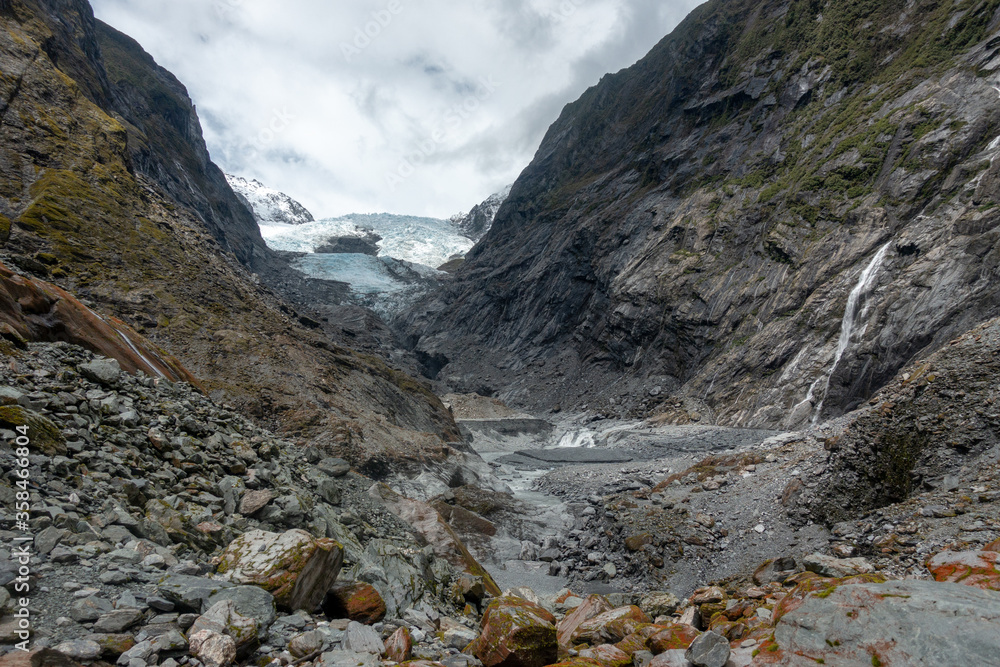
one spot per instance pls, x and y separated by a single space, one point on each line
403 106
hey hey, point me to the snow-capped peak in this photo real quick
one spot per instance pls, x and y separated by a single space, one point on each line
269 206
478 221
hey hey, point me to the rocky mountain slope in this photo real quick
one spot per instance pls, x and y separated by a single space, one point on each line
106 188
269 206
758 224
479 220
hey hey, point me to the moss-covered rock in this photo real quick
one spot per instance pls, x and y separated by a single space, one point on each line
296 568
43 434
516 633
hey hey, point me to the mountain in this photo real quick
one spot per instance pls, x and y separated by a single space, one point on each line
107 190
269 207
758 224
478 221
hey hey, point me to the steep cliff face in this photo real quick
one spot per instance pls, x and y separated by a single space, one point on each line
759 223
107 189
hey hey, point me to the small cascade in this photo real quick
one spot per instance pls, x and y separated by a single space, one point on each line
583 438
852 326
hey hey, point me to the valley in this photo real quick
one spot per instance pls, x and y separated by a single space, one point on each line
712 384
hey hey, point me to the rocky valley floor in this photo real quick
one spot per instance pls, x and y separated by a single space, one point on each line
169 530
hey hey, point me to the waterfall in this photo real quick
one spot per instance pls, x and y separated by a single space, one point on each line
855 314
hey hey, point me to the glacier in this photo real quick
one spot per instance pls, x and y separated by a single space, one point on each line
410 248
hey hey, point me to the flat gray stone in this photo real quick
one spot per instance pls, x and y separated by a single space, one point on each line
250 601
902 622
102 371
348 659
80 649
362 639
89 609
117 621
709 650
190 593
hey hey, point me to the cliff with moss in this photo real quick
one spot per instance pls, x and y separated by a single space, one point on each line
693 230
107 190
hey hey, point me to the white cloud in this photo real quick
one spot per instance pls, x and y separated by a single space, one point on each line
440 104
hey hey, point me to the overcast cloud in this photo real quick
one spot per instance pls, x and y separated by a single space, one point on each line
404 106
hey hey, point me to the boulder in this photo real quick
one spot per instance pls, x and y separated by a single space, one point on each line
516 633
611 626
254 501
250 601
659 604
980 569
431 527
355 600
895 623
189 593
222 618
775 571
399 646
212 648
102 371
455 635
708 650
828 566
80 649
117 621
296 568
593 606
306 643
676 636
607 655
362 639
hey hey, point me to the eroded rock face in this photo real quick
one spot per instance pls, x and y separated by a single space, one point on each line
899 622
516 633
426 521
34 310
296 568
686 229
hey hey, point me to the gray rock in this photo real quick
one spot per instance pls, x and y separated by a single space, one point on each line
642 658
249 601
80 649
709 650
89 609
828 566
661 603
118 621
362 639
47 539
329 491
348 659
102 371
306 643
141 651
334 467
942 624
190 593
169 641
160 604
